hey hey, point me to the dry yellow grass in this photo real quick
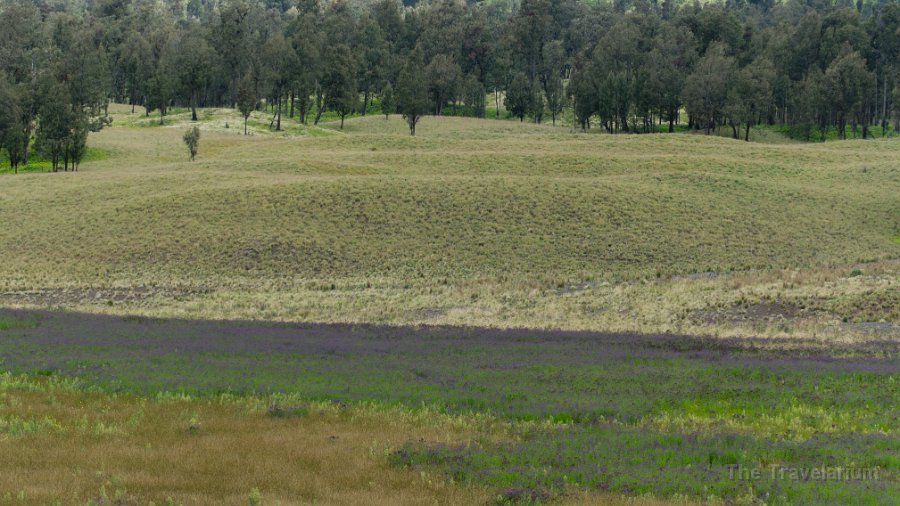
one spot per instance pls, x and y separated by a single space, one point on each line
66 446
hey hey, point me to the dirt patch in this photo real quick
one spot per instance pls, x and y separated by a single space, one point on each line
756 312
426 313
51 297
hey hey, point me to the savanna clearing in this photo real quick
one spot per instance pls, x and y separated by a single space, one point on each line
317 316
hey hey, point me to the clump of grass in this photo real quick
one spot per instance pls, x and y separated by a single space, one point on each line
278 410
19 322
254 498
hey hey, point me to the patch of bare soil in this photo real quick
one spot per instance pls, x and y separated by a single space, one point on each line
51 297
755 312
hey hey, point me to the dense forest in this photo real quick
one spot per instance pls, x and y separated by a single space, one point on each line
621 66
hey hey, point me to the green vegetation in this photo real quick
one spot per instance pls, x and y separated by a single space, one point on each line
14 322
37 163
191 139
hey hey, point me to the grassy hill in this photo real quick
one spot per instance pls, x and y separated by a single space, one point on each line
471 221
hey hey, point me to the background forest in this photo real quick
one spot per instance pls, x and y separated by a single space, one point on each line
813 69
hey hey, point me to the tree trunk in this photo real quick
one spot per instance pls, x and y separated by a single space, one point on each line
747 133
278 113
318 105
194 106
26 143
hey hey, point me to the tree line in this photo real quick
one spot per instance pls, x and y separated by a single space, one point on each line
618 65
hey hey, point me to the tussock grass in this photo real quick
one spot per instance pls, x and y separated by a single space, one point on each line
470 222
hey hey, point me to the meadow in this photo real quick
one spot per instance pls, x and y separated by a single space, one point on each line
511 415
472 222
487 312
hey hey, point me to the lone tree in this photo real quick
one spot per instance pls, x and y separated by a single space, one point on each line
412 90
192 140
388 103
246 98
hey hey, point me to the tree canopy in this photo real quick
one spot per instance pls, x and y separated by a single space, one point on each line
623 65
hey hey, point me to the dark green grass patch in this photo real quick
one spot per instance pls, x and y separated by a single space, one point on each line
37 163
9 322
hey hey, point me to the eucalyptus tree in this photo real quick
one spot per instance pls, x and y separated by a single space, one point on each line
195 61
412 90
706 88
339 82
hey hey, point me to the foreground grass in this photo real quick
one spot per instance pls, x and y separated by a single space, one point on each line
520 414
471 222
70 446
67 445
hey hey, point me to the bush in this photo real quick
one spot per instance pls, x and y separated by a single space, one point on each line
192 140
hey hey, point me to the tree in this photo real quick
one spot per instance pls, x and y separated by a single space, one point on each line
138 61
281 65
54 127
848 87
412 90
551 78
192 140
806 103
519 97
896 101
750 96
583 94
536 104
307 46
339 82
246 97
444 77
369 43
76 144
555 94
669 64
161 89
388 103
473 95
706 89
194 61
10 129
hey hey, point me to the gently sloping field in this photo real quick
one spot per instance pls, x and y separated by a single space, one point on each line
470 222
528 414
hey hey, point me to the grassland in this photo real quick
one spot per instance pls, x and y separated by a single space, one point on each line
516 414
765 275
471 222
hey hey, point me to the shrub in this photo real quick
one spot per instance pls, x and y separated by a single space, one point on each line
192 141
